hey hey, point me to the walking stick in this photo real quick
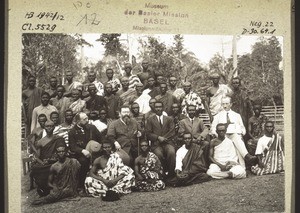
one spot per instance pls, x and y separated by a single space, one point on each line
138 140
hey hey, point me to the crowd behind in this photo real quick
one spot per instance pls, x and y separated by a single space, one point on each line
142 133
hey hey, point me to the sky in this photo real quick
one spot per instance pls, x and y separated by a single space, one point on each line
203 46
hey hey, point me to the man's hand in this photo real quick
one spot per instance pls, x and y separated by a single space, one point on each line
161 139
138 134
86 153
111 183
117 145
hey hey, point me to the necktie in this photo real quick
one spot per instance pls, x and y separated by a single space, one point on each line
160 121
228 119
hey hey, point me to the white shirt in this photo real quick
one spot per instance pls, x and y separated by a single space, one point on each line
262 144
236 125
180 154
160 119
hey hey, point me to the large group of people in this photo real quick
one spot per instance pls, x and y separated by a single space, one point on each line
142 133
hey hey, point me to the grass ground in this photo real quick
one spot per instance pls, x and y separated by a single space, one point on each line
253 194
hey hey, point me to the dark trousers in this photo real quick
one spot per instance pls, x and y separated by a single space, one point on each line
167 156
84 169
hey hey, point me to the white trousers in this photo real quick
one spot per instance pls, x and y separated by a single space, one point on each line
215 172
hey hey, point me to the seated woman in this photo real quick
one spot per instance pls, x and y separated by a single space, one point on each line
109 177
44 158
270 152
148 170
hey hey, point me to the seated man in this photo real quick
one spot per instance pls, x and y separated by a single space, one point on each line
224 158
160 130
109 177
36 134
190 164
148 170
44 158
63 177
270 152
198 130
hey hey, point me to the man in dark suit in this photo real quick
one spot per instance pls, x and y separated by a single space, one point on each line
198 130
160 130
79 136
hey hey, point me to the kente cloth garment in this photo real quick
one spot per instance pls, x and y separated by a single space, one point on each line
152 171
66 182
61 105
113 169
191 99
225 153
193 165
125 96
61 131
215 105
178 93
272 156
73 85
133 80
115 83
31 102
40 172
78 106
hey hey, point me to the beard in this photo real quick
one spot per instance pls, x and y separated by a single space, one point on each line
126 119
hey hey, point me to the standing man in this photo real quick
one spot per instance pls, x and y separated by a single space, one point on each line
240 101
133 79
94 101
177 92
234 131
52 87
138 116
79 136
146 72
113 102
124 132
31 98
160 130
191 98
70 85
214 95
44 108
77 104
60 102
114 82
166 98
98 85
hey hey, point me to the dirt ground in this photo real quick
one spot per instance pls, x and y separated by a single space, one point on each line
253 194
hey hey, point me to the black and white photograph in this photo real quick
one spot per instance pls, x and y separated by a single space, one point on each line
123 122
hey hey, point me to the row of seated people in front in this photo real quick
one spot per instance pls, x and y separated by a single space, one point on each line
161 144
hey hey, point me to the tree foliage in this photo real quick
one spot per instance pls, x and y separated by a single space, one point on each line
261 73
45 55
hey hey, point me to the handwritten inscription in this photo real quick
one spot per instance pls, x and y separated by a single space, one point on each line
45 15
259 27
42 16
86 18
